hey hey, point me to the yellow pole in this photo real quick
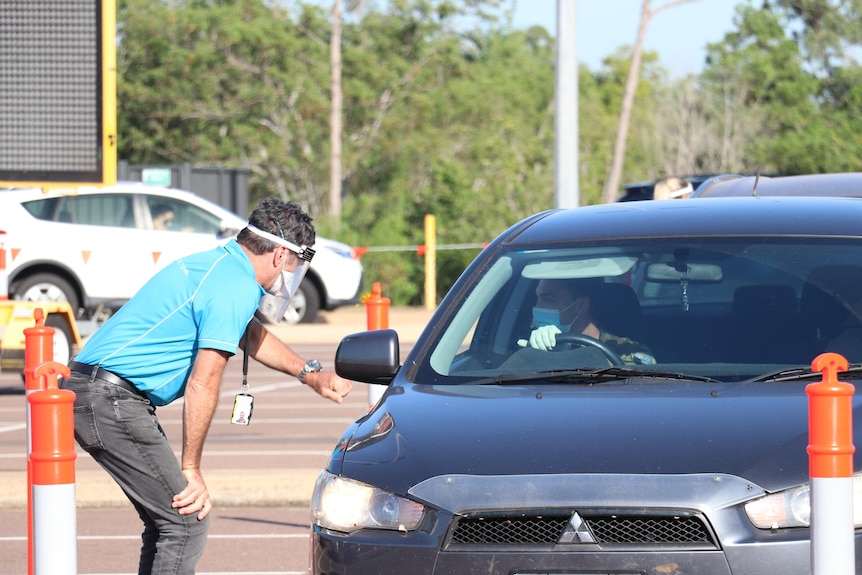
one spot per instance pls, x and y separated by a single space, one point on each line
109 92
430 261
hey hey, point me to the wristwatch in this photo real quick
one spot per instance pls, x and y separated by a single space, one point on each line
311 366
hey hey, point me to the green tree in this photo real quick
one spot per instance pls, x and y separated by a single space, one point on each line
235 83
447 110
805 103
826 30
633 78
601 101
467 135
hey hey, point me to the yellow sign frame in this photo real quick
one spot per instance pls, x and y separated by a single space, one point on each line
106 173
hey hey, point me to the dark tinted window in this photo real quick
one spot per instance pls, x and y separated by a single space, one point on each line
96 210
176 215
719 307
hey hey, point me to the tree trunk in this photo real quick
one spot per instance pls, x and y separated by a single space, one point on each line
612 184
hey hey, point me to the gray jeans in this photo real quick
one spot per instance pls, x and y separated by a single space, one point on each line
120 430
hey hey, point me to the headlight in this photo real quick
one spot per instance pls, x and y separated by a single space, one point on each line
345 505
792 507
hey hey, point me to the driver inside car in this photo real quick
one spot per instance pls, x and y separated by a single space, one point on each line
564 306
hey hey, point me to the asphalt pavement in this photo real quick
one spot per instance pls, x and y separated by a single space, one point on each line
235 477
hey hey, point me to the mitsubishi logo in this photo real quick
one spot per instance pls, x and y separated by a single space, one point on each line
577 531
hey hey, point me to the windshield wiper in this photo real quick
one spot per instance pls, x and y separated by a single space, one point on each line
590 375
803 372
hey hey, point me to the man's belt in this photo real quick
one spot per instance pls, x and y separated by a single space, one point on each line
96 372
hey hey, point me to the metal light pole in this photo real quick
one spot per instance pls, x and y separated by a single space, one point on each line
566 187
335 122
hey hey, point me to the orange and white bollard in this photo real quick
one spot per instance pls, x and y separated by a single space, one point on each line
52 461
830 464
38 348
377 317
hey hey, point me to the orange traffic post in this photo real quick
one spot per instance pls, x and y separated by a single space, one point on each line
377 314
38 348
377 308
830 465
52 461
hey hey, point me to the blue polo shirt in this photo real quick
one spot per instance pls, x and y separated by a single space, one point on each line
201 301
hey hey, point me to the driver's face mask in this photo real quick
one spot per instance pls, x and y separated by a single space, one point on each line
546 316
275 302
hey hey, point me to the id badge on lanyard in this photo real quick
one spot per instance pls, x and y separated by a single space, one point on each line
243 403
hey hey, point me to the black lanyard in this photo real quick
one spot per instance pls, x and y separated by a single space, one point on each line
245 359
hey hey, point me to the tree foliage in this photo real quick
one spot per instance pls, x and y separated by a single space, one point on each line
449 110
808 118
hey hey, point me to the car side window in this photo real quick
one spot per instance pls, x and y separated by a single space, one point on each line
113 210
44 209
169 214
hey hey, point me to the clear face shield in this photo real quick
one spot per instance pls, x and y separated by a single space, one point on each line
275 302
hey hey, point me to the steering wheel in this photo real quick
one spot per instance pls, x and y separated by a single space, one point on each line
587 341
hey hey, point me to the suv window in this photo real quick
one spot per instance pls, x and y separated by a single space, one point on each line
117 210
97 210
175 215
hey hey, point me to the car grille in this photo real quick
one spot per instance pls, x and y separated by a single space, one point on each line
508 530
606 529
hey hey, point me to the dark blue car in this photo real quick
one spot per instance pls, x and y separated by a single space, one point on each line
663 431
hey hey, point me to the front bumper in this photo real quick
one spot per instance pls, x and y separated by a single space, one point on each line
728 543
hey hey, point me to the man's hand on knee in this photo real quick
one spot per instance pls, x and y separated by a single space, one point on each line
195 498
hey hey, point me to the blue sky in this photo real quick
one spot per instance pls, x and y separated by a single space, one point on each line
679 34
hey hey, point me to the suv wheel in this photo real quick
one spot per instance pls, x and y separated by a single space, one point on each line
45 287
304 305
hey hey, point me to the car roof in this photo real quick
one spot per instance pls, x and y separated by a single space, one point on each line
23 194
17 195
819 185
119 187
774 216
638 191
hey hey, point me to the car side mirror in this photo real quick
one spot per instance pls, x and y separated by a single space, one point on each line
369 356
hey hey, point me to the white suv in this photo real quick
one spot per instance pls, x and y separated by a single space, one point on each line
94 247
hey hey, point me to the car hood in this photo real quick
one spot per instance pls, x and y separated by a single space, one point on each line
756 431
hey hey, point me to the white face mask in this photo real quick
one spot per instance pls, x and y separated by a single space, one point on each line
275 302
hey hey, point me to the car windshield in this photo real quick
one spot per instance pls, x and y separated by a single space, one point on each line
730 309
